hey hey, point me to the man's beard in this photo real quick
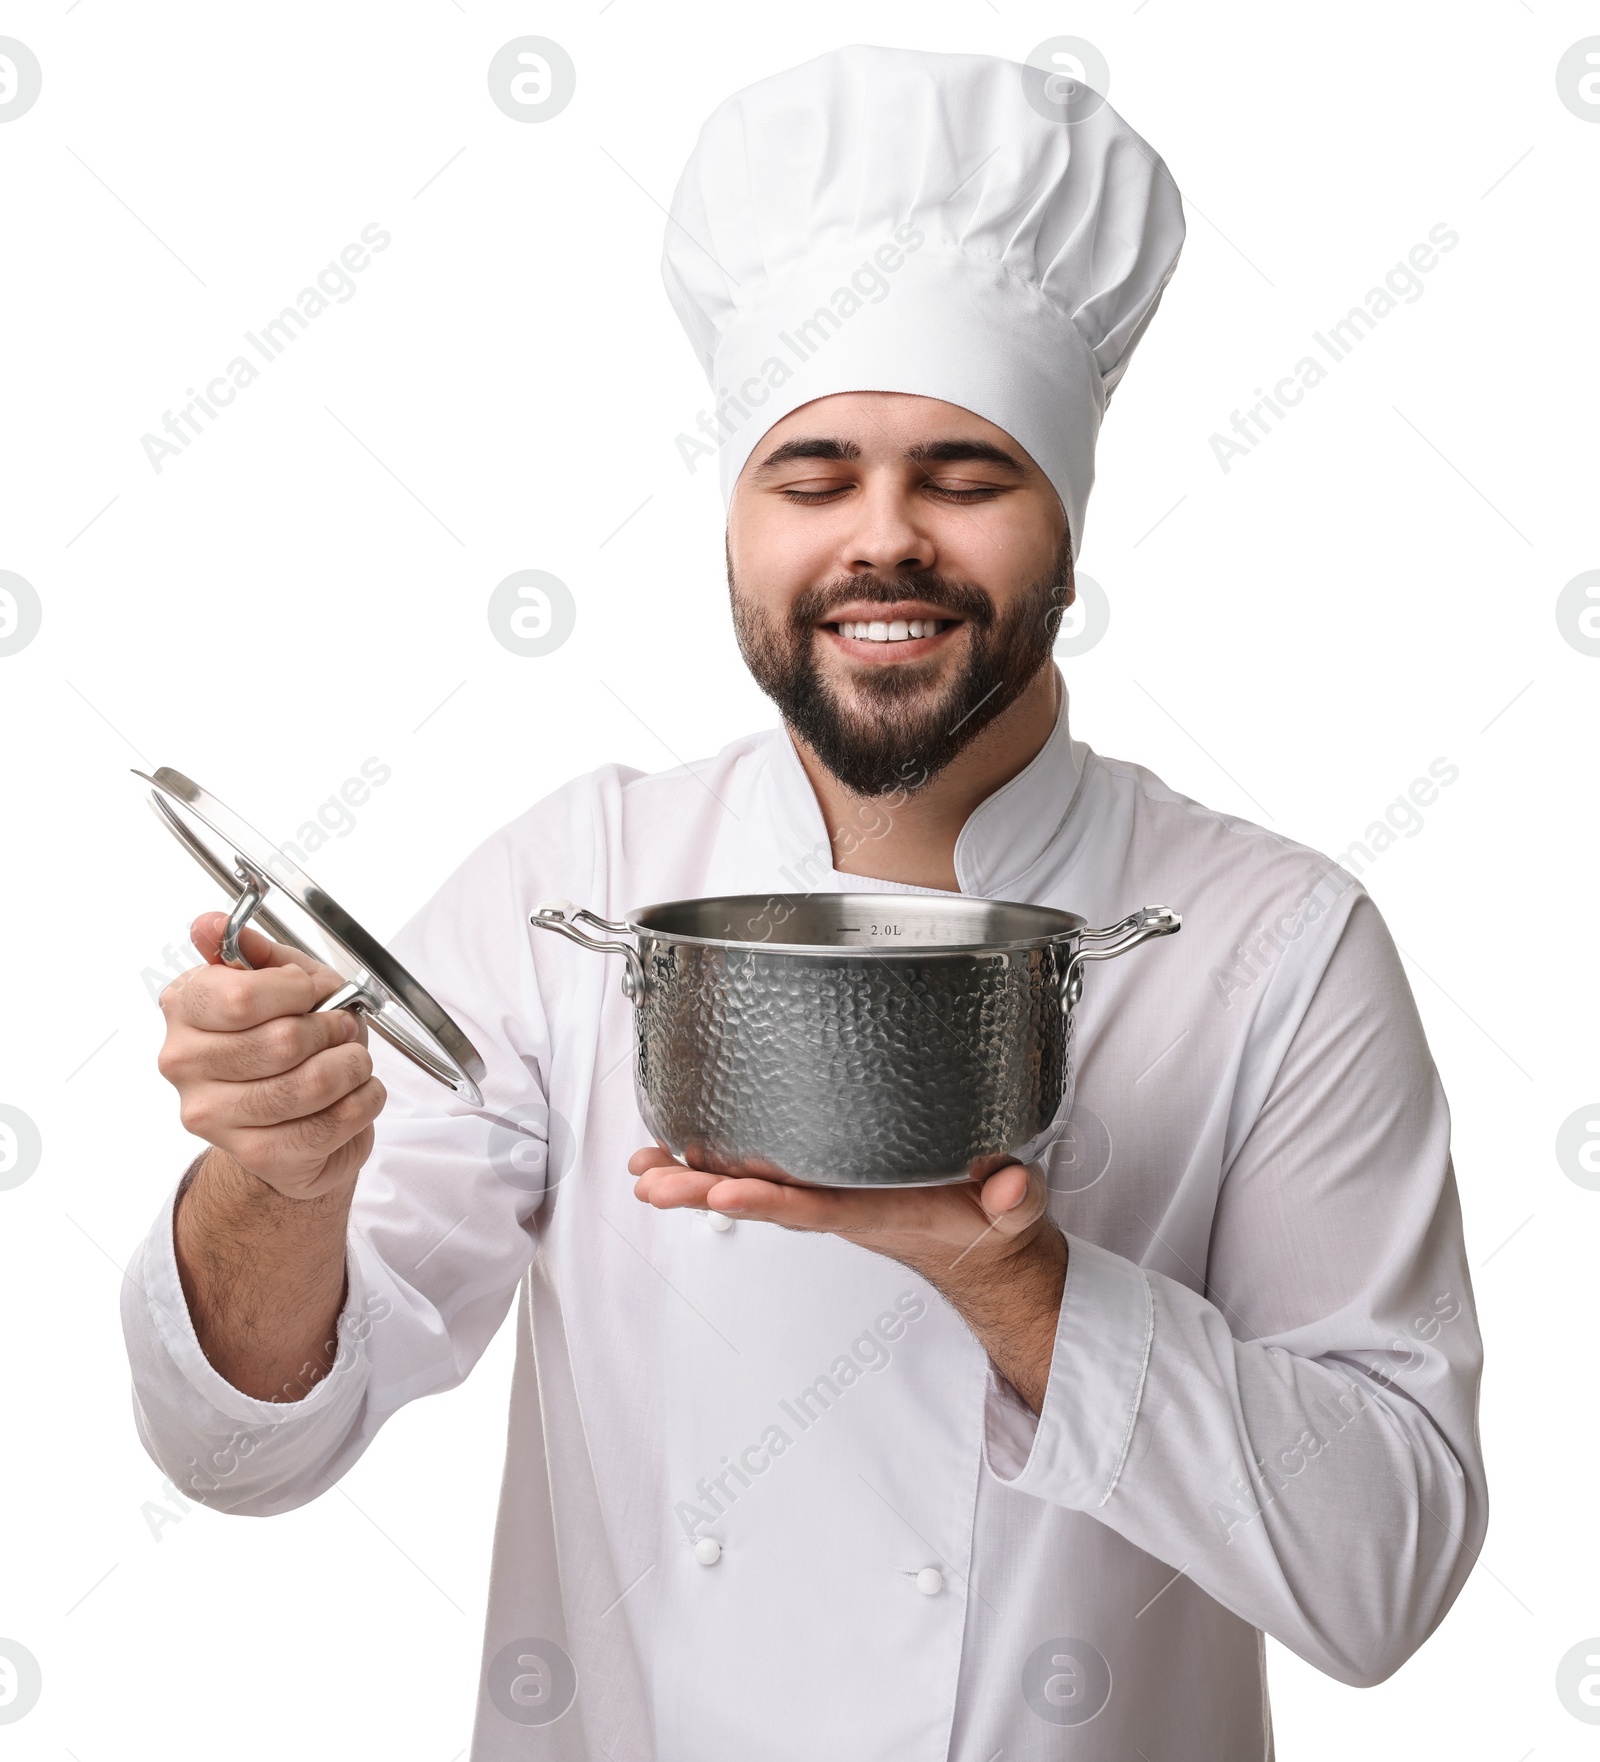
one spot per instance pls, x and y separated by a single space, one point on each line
904 733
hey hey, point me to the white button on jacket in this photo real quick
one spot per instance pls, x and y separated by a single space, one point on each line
1265 1370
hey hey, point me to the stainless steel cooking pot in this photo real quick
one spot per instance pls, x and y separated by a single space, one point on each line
853 1039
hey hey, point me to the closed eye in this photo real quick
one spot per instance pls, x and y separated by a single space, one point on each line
814 495
948 493
978 493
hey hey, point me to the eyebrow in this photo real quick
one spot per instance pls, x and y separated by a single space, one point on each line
940 452
953 452
811 447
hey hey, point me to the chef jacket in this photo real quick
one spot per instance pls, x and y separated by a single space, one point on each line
765 1495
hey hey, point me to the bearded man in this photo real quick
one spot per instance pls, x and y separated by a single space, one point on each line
1024 1465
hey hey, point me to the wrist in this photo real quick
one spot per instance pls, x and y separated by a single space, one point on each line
1039 1269
1033 1261
1013 1306
225 1181
220 1205
253 1265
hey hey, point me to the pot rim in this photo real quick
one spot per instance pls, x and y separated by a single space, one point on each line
1071 924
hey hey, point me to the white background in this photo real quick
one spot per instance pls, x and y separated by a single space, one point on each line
1372 588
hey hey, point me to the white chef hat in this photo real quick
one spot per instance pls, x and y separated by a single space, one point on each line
895 220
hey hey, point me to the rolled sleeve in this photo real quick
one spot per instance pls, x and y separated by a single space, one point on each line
218 1445
1073 1452
1299 1437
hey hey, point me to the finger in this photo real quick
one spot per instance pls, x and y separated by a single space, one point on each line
652 1156
805 1208
210 1108
667 1186
192 1054
260 950
224 1000
286 1150
950 1214
338 1166
767 1201
670 1186
1014 1198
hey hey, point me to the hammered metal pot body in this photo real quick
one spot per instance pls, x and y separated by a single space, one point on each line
853 1039
852 1070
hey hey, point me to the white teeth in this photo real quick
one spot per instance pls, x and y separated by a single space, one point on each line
899 630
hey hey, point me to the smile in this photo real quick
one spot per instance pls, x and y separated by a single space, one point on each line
895 630
903 632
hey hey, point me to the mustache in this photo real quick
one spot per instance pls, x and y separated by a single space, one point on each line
960 598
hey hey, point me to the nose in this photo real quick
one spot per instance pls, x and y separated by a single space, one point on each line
887 535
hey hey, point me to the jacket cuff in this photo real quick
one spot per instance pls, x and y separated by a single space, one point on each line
1072 1452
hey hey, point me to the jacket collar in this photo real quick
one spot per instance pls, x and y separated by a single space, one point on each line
1004 836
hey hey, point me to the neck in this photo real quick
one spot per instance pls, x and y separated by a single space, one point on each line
913 839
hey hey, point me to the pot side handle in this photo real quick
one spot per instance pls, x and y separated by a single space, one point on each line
1140 926
562 916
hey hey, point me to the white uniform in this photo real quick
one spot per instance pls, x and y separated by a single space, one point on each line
1261 1413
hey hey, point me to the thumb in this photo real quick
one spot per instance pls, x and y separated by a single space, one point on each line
1014 1197
261 951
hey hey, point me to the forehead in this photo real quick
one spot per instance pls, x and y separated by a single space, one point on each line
882 425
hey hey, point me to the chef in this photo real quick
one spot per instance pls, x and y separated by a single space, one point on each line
1020 1468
